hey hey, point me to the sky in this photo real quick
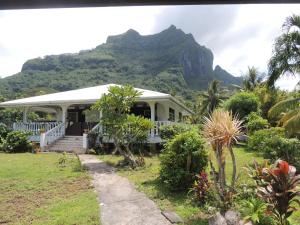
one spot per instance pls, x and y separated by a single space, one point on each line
238 35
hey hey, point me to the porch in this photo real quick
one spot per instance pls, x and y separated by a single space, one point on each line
79 120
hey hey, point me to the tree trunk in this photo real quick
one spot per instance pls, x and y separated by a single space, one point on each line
233 179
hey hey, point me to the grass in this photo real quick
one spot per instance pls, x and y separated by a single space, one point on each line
146 180
36 190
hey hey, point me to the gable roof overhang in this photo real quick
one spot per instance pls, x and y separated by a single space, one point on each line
86 96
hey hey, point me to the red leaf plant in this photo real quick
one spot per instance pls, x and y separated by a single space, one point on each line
278 187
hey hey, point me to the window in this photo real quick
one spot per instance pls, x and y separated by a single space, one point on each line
180 116
171 114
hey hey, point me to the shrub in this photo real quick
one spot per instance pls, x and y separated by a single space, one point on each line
257 141
242 104
283 148
183 157
15 142
3 131
278 187
256 122
201 187
170 131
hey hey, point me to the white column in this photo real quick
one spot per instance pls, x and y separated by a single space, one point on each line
58 115
25 111
152 108
64 113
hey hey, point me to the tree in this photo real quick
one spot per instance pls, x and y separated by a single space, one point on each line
286 53
212 98
251 79
122 128
289 113
221 129
243 103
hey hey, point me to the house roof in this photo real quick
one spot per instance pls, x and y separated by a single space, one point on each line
83 96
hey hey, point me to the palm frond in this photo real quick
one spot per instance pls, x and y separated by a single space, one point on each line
293 124
284 106
288 116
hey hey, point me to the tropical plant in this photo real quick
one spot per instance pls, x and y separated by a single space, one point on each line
286 53
282 148
221 129
243 103
256 122
253 209
16 142
121 127
289 113
278 188
183 157
168 132
258 139
3 131
201 187
251 79
213 98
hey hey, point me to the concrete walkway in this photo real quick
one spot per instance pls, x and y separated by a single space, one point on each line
120 203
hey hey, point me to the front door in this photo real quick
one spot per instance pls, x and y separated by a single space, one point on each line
73 126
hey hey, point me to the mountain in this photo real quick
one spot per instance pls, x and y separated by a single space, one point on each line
170 61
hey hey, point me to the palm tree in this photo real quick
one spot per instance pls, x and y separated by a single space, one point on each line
289 112
212 98
251 79
286 53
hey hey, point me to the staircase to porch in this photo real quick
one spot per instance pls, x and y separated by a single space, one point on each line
67 144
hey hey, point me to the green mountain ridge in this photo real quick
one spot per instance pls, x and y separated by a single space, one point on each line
170 61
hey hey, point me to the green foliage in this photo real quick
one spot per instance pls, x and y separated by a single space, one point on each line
256 122
122 128
242 104
213 98
257 141
16 142
253 210
125 58
282 148
170 131
62 160
3 131
183 157
201 187
289 113
286 54
268 98
278 187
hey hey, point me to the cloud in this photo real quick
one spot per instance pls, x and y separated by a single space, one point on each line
239 35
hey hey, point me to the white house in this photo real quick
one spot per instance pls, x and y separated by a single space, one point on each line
73 116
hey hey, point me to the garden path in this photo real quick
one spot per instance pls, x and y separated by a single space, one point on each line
120 203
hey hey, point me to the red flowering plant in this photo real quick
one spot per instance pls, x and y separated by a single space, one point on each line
201 186
278 187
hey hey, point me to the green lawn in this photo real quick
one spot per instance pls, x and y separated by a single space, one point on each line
34 189
146 180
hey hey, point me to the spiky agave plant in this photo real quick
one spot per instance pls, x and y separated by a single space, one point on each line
221 129
279 189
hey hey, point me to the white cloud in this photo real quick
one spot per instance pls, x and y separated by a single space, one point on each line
28 34
239 35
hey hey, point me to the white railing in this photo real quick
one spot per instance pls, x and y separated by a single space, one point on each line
96 129
157 125
52 135
153 132
34 128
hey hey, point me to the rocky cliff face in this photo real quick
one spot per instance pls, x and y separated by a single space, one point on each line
168 61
